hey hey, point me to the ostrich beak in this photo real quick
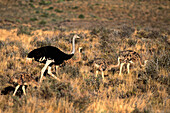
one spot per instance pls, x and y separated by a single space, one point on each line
146 61
76 36
29 60
80 49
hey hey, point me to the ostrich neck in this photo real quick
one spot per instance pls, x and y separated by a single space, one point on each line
73 46
112 66
140 61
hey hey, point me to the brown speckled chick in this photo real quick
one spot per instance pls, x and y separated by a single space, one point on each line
100 65
129 57
22 79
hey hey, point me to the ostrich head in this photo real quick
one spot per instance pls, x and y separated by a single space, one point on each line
80 49
145 62
74 37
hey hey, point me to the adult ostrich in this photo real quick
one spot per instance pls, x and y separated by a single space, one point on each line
50 55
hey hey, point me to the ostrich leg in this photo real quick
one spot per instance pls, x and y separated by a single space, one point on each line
23 88
97 73
128 65
103 74
50 73
16 90
56 68
121 66
48 62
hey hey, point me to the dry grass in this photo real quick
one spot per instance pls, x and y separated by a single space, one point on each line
144 90
104 32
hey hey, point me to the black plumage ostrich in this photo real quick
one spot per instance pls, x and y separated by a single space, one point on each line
50 55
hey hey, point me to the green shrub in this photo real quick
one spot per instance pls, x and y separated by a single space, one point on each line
164 61
37 12
45 14
23 30
160 8
53 15
60 1
75 7
58 11
17 20
81 16
31 5
33 19
151 69
132 42
42 22
50 8
54 20
2 44
45 2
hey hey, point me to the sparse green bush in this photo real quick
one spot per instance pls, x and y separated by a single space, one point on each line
148 34
164 61
37 11
136 110
11 65
95 31
23 30
81 16
42 22
23 52
82 103
75 7
32 5
50 8
18 20
2 44
45 14
60 1
40 43
54 20
126 31
93 83
45 2
62 90
58 10
33 19
160 8
53 15
153 35
131 42
151 69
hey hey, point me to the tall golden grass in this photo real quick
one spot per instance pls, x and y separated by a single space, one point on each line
143 90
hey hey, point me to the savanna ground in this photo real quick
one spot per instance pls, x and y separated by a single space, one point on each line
105 27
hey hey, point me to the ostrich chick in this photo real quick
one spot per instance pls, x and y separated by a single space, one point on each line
99 64
129 57
22 79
